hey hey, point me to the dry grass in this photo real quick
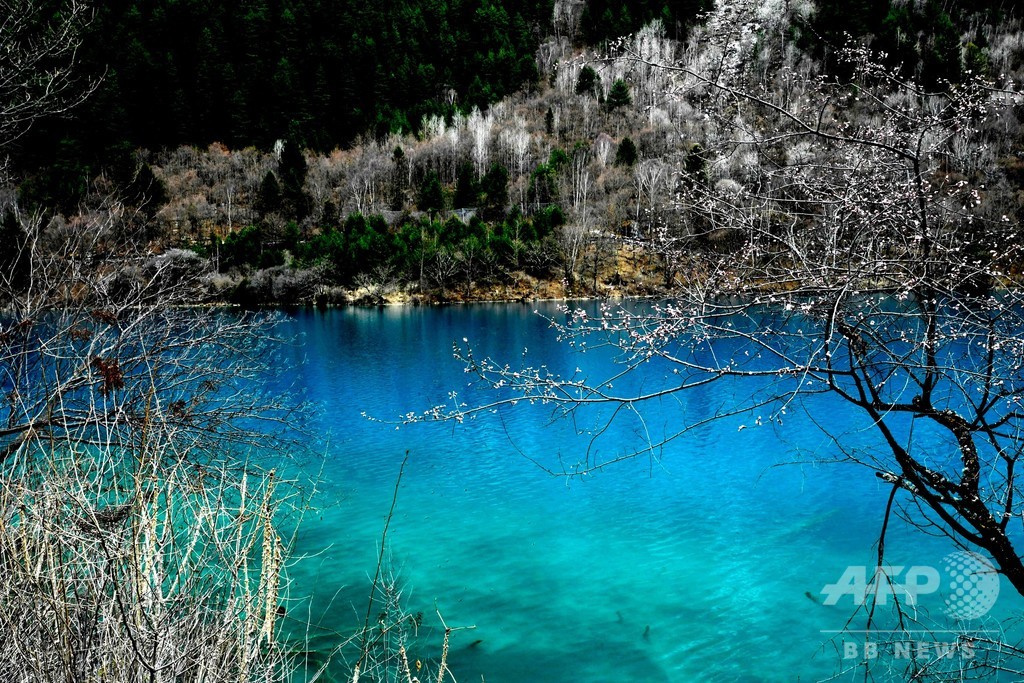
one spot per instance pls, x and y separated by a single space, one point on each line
115 569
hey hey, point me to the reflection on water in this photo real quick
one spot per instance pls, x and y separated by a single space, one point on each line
701 561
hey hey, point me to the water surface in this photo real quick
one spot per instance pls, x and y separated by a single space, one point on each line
702 561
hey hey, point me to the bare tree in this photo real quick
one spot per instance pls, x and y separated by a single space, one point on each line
572 241
603 148
139 533
874 266
516 141
37 64
651 178
580 179
479 126
366 181
442 266
566 18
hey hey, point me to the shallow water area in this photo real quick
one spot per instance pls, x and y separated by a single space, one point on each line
699 561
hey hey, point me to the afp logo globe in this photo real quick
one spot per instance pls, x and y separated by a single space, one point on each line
972 584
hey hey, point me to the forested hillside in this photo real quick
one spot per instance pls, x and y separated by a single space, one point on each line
247 73
462 149
321 73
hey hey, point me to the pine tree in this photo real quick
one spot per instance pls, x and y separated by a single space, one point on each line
495 188
268 200
618 96
586 83
466 189
431 195
626 154
293 169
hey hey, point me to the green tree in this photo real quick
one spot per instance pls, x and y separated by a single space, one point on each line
399 172
625 154
142 188
467 190
543 185
369 245
976 61
618 96
431 195
558 159
494 185
248 248
268 199
61 182
293 169
940 55
586 83
546 221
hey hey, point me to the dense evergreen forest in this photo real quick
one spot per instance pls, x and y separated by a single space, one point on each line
247 73
430 142
319 73
324 73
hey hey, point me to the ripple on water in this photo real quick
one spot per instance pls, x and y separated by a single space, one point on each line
700 562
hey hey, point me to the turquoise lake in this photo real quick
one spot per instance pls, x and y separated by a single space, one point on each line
702 561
